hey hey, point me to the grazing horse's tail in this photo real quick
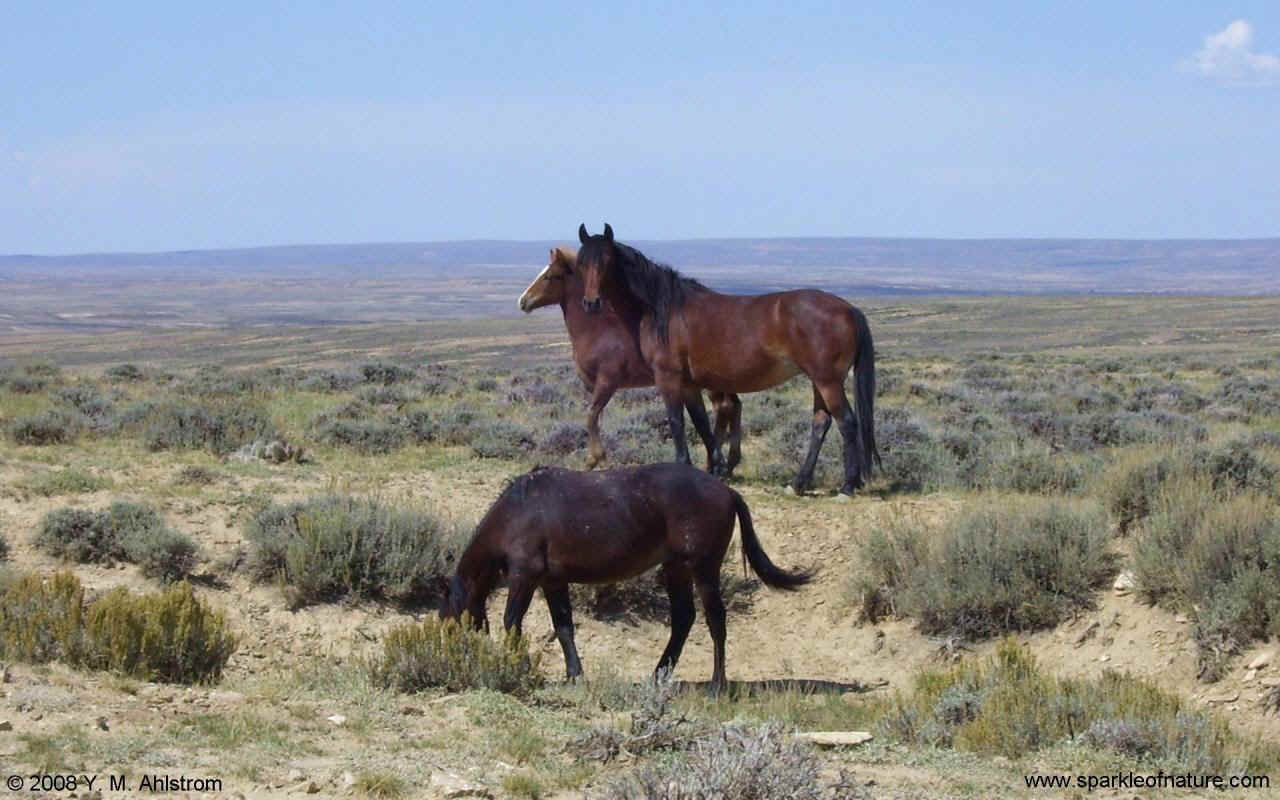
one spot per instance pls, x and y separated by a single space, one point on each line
864 375
752 552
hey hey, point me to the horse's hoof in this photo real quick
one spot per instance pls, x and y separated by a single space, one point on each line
844 498
791 490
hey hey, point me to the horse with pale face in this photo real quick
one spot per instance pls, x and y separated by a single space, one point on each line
607 354
691 336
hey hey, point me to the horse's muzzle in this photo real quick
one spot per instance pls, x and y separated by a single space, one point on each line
591 306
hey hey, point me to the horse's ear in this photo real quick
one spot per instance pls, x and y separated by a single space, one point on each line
608 233
582 233
551 257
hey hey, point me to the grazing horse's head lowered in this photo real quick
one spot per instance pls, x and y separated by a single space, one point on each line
548 288
595 259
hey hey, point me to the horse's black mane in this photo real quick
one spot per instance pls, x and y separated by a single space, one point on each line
658 287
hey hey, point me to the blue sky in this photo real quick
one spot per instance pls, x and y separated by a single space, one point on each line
152 126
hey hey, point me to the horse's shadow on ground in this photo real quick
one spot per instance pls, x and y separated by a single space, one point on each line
739 690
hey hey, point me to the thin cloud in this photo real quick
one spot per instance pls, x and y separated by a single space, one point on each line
1228 56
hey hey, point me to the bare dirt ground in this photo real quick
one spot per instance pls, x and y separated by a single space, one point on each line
104 725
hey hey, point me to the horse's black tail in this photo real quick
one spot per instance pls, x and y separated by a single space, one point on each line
864 375
752 552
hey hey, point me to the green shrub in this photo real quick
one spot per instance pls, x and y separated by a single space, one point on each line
1017 565
328 381
170 636
48 427
87 401
367 437
384 373
127 531
450 655
913 460
25 384
502 439
160 552
79 535
1134 484
337 546
1218 559
380 395
124 373
737 762
1008 706
218 429
42 619
1130 488
1033 470
195 475
420 426
64 481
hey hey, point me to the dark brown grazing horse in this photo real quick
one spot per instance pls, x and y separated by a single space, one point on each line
553 527
607 354
692 336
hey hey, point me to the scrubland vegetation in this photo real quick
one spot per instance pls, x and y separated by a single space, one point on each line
1055 472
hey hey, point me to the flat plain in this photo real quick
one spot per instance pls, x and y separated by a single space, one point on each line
1045 406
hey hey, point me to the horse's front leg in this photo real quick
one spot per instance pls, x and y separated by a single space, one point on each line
673 396
520 589
600 396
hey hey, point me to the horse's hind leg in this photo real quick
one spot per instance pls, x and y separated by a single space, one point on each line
729 421
707 581
562 619
838 406
680 589
702 424
817 434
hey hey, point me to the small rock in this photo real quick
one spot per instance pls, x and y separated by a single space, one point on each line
835 738
348 779
295 775
1181 619
411 711
452 786
6 725
226 697
337 719
1124 583
1104 658
5 676
1261 660
1250 675
312 787
1270 682
1221 699
101 722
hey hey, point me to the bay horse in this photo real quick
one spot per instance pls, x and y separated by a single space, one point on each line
607 354
691 336
552 527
